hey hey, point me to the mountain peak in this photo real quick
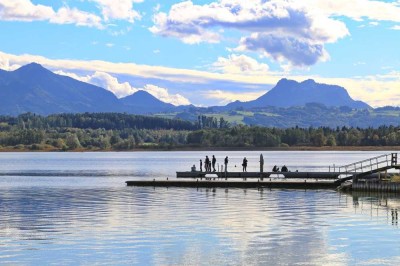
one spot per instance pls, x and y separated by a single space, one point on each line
32 68
284 82
143 93
32 65
308 82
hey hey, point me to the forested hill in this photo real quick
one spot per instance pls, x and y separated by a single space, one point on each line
108 121
112 131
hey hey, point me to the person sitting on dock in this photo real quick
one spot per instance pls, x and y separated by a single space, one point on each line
275 169
244 164
214 160
226 163
201 165
207 164
284 169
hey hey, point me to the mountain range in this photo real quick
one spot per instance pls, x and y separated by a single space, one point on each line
33 88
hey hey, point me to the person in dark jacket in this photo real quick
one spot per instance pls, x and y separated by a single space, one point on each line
201 165
244 164
207 164
214 160
226 163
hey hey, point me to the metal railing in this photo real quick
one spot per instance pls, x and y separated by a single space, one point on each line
370 165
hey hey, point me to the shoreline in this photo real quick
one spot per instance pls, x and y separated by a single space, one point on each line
294 148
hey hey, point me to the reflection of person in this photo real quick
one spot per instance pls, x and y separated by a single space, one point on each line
244 164
226 163
275 169
213 163
201 165
284 168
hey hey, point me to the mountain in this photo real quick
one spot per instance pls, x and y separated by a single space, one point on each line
33 88
288 93
142 102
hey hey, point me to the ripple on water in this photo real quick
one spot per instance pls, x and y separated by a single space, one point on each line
129 225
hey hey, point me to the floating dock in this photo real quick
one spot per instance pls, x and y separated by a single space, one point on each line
297 180
278 183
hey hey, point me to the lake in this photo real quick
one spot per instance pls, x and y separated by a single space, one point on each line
74 208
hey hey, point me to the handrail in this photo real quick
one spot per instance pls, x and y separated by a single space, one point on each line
366 160
370 164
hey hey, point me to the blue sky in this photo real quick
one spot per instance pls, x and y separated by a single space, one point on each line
209 52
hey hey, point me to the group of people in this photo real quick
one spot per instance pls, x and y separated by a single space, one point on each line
210 164
283 169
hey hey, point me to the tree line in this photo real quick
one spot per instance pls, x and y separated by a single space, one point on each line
112 131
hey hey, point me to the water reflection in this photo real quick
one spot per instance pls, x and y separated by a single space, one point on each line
376 202
196 226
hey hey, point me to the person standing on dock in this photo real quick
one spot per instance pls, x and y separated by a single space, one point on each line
201 165
207 164
213 162
244 164
226 163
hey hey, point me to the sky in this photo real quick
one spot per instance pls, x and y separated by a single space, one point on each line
209 52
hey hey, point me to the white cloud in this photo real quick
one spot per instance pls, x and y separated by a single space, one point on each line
396 27
188 33
122 89
118 10
103 80
358 9
163 95
281 48
25 10
279 29
226 97
240 64
156 8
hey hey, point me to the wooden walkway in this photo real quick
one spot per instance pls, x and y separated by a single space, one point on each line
277 183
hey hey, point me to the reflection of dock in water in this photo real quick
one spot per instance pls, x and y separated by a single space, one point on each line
377 204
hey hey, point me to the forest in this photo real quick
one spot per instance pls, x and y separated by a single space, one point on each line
119 132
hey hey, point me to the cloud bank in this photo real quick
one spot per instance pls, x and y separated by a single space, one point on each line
25 10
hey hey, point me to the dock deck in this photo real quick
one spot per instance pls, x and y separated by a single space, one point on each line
267 183
301 175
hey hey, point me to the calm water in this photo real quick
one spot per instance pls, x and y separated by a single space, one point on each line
74 208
